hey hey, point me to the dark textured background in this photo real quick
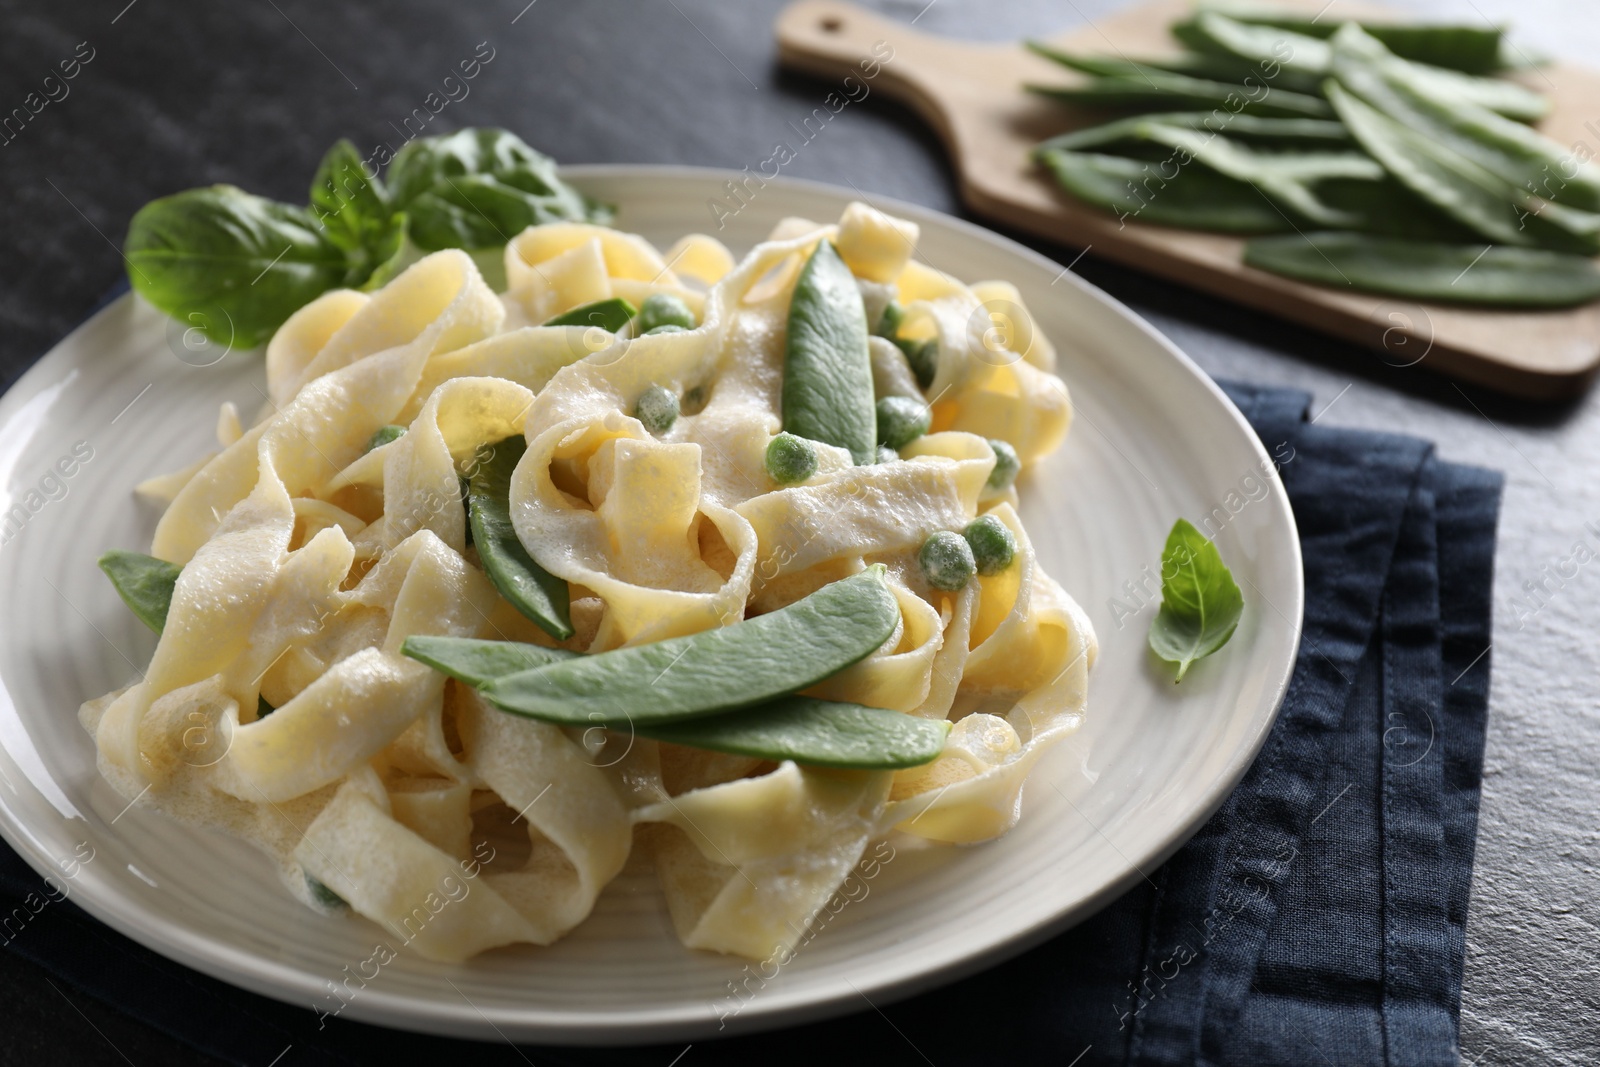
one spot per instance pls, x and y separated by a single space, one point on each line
253 92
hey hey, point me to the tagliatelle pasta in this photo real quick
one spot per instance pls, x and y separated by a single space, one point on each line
279 707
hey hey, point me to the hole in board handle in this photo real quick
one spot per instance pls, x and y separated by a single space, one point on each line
832 24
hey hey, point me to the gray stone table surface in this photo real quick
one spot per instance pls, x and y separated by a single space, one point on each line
180 95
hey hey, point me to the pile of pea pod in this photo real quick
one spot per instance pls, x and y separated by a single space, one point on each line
1376 157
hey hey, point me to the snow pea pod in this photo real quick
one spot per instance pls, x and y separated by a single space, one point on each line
1195 198
478 662
610 315
1276 132
1210 66
1469 48
1199 198
1448 273
1483 202
1157 90
528 587
1509 150
827 366
1453 184
143 582
1284 177
821 733
713 671
1300 59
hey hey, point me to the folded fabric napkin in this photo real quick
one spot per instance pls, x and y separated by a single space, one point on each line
1318 917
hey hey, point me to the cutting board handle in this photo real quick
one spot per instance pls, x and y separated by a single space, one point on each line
833 39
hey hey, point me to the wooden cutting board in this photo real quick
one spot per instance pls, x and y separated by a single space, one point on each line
971 93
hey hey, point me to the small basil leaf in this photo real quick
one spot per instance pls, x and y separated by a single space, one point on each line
478 188
1200 604
143 582
391 258
230 264
347 200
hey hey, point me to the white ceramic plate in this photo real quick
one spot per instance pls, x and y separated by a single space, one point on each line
1153 440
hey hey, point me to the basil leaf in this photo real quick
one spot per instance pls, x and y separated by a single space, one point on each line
230 264
1200 604
479 188
349 202
143 582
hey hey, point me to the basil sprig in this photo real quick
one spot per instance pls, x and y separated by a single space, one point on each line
1200 603
234 265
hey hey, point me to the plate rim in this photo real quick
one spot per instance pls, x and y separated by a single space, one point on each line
287 983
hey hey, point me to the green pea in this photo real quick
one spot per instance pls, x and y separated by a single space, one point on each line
143 582
791 459
923 357
664 309
717 670
665 327
947 561
610 315
993 544
528 587
1006 465
384 436
889 322
901 420
657 408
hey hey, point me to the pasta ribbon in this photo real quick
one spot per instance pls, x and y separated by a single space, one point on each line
278 706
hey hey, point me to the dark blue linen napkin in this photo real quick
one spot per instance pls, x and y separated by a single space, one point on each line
1318 917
